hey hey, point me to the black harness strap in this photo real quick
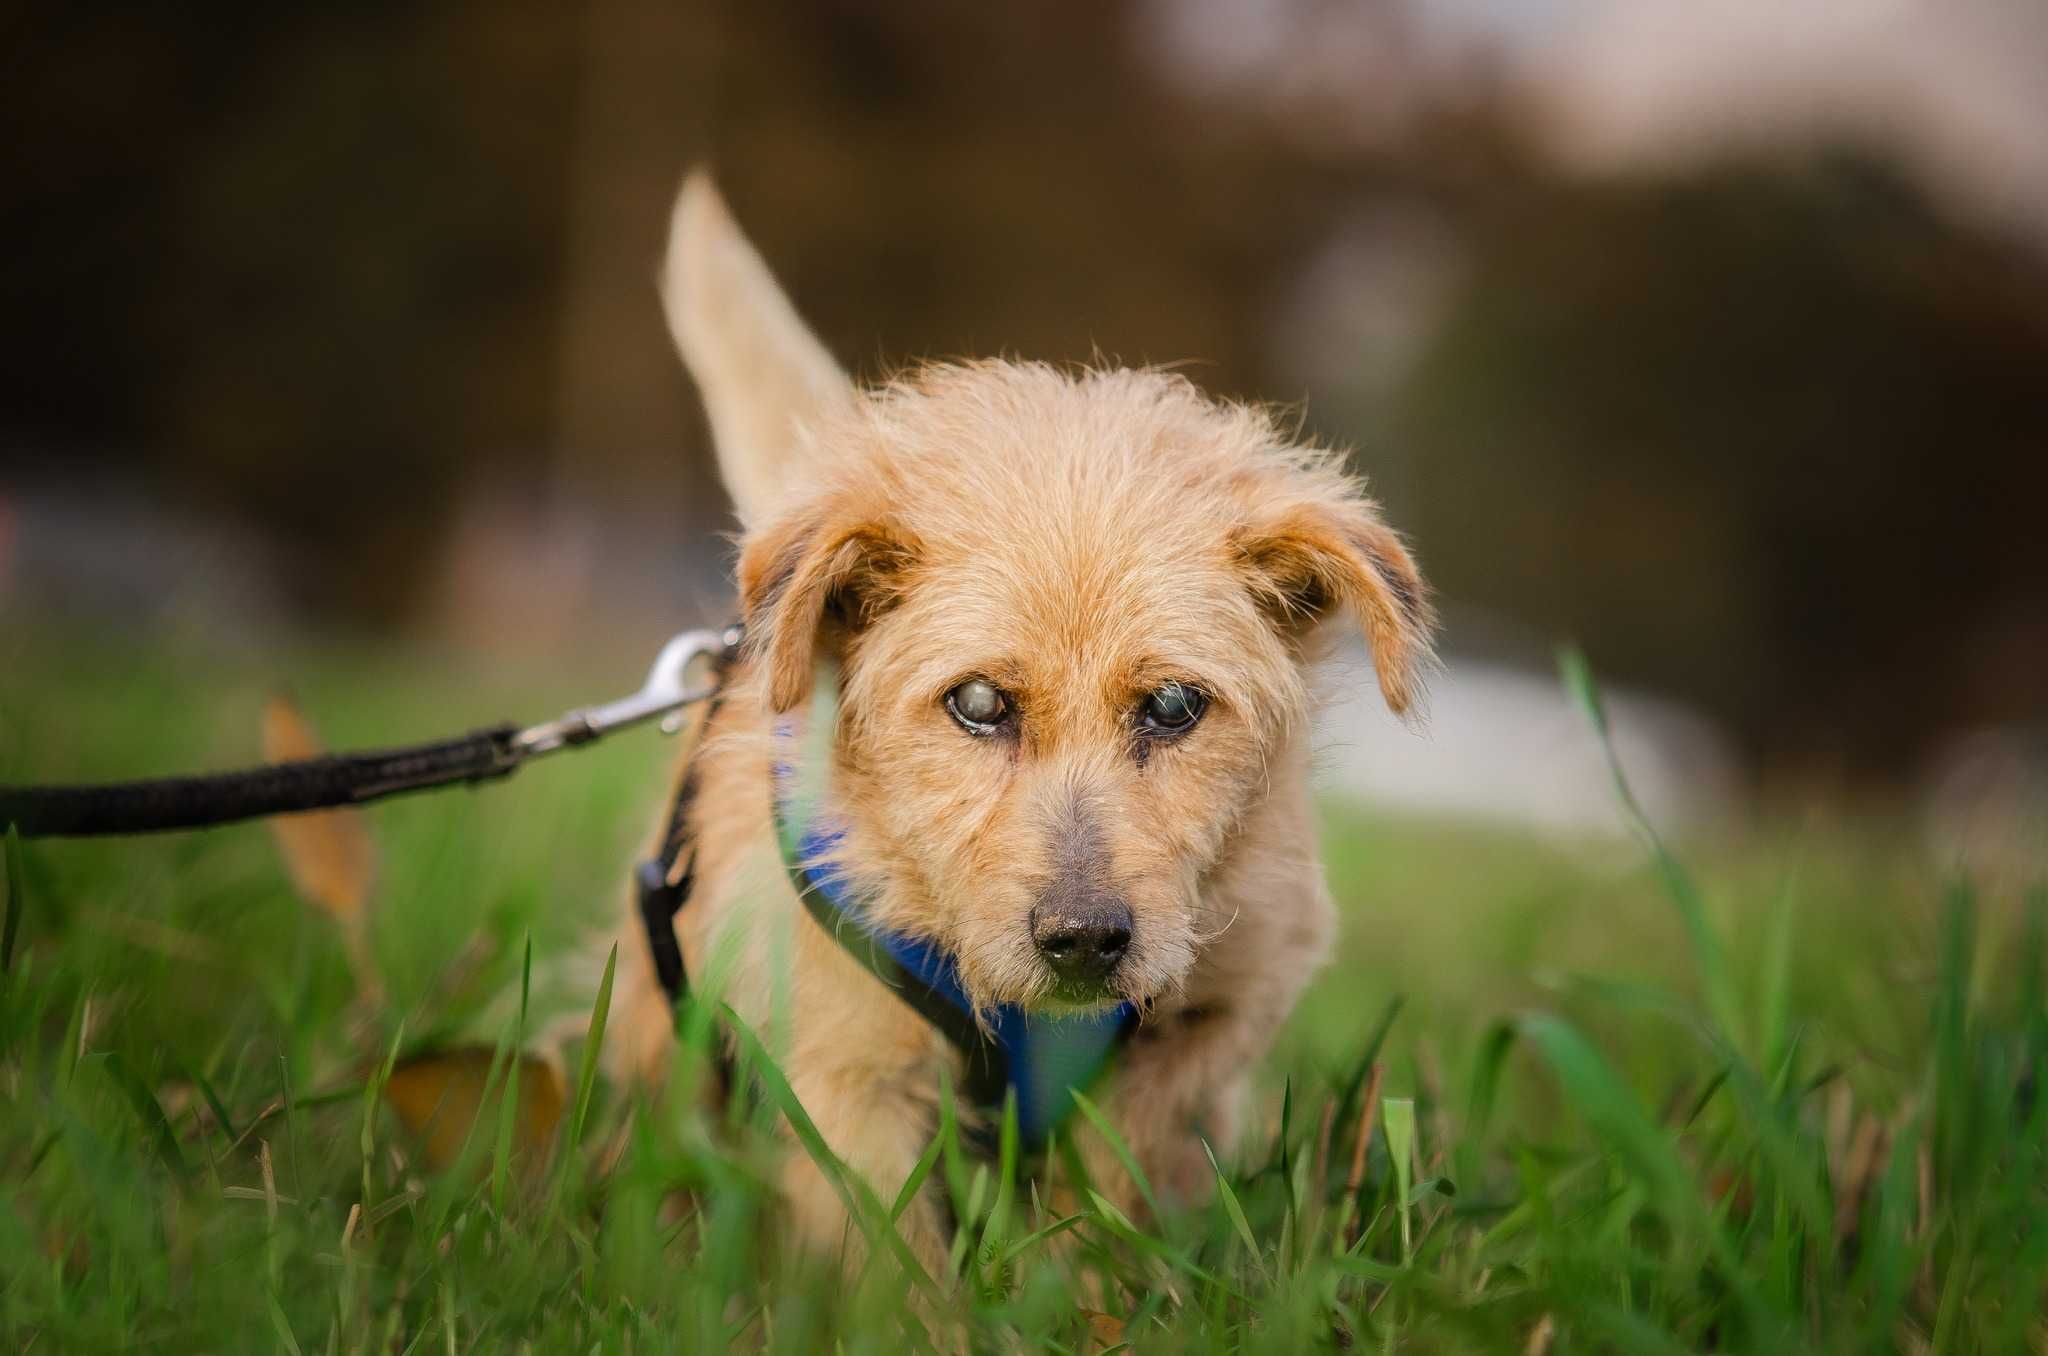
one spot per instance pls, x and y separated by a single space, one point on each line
663 889
663 882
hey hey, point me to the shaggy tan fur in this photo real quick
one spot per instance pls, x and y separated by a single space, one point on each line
1077 539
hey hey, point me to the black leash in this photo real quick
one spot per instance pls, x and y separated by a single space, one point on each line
282 788
171 803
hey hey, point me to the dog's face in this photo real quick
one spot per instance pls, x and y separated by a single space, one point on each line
1070 616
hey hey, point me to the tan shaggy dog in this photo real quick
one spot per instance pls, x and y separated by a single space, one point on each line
1073 618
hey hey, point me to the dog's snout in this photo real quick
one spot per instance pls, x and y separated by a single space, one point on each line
1082 937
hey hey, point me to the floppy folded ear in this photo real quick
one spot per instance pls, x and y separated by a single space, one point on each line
1310 556
825 568
761 371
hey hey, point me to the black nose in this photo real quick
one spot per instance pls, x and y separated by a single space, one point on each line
1083 937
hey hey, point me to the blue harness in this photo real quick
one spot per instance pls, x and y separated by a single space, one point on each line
1040 1057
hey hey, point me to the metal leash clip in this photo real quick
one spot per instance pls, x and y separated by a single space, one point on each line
669 688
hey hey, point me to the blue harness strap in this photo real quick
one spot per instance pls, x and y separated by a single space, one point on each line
1043 1057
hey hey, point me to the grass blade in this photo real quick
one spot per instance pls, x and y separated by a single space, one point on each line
1486 1073
280 1324
1122 1151
1233 1208
508 1105
1361 1066
1397 1118
1678 884
151 1113
1037 1236
373 1095
920 1173
213 1102
1620 1122
853 1193
593 1047
995 1229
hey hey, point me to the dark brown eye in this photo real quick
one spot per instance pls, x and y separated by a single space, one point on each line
979 706
1171 710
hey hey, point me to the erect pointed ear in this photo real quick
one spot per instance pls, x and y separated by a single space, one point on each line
1311 554
762 372
825 567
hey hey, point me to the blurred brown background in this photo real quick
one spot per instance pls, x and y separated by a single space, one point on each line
1714 336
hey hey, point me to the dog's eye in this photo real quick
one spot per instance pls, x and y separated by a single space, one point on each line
1171 710
979 706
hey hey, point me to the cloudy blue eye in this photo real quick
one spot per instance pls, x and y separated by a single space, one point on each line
1171 710
979 706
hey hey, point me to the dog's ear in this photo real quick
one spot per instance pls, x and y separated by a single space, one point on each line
762 372
830 566
1311 554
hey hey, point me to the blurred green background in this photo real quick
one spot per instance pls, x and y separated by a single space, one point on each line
1715 345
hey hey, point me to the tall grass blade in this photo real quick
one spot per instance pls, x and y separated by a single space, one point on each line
1722 1000
214 1103
373 1093
280 1324
920 1173
854 1194
1122 1150
151 1113
508 1105
1774 1022
593 1048
1235 1210
1487 1067
995 1230
1361 1065
1397 1118
1621 1123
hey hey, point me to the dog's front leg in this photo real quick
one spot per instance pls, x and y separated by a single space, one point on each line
1177 1087
871 1116
1185 1078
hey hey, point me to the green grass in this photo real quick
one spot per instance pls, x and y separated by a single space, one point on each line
1773 1093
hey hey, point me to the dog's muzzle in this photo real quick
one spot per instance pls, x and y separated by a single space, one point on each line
1082 937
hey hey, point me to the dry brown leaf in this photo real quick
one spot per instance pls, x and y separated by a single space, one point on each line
438 1097
1106 1329
329 853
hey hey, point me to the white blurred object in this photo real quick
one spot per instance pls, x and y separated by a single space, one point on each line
1958 88
1984 803
1510 746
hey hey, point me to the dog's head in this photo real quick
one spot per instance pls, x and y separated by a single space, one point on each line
1070 613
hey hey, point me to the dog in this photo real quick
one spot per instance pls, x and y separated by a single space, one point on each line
1074 619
